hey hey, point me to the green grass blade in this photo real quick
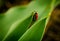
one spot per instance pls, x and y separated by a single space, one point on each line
11 16
35 32
17 29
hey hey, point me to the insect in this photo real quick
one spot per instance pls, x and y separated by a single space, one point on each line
52 32
35 17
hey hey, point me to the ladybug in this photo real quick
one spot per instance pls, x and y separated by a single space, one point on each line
35 16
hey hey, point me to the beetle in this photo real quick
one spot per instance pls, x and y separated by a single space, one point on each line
35 16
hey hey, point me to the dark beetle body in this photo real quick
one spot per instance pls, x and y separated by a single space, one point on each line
35 17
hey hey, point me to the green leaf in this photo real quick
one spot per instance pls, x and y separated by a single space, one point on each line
17 29
34 33
11 16
43 7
